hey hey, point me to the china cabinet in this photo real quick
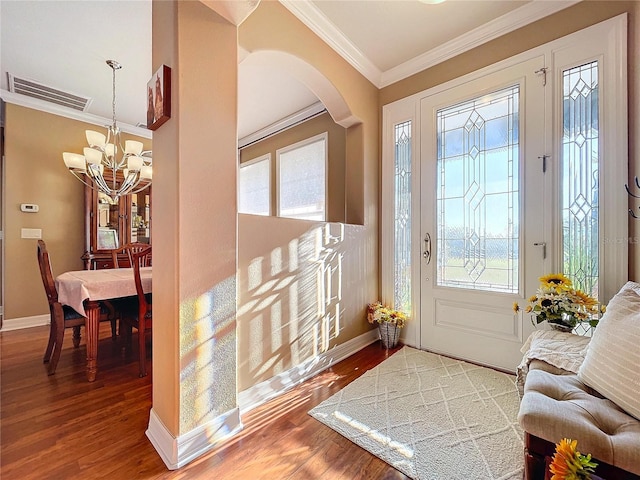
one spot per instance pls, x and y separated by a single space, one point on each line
110 224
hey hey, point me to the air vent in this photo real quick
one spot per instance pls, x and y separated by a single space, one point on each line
37 90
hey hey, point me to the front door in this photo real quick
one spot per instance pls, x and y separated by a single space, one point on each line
482 224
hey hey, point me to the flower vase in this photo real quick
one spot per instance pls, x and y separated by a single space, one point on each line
389 334
561 327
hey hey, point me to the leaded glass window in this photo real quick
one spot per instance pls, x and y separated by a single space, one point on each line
579 177
402 216
477 193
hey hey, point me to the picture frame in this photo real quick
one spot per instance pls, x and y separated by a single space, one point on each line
159 98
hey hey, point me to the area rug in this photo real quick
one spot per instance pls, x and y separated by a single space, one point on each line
432 417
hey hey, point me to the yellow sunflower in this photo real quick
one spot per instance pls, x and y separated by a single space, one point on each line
516 307
555 280
587 300
569 464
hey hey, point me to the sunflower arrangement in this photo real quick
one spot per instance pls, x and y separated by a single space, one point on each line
569 464
379 313
557 302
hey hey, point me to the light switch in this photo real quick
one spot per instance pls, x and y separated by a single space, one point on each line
31 233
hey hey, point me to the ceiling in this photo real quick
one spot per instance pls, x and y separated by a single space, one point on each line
386 40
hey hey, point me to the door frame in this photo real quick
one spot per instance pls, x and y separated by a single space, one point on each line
614 262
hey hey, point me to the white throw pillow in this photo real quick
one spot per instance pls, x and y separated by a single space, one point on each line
612 363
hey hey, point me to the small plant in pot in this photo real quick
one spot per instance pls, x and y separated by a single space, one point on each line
389 322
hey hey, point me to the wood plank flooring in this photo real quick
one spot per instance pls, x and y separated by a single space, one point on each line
63 427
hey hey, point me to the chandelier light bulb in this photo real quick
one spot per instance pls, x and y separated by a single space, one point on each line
133 147
95 139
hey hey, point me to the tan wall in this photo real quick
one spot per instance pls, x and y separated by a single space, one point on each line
195 168
281 320
336 159
271 27
35 173
566 21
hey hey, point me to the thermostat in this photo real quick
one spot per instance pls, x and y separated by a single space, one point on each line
29 207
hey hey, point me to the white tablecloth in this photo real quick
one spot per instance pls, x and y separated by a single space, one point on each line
77 286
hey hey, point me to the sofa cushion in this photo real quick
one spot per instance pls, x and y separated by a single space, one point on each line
611 363
560 406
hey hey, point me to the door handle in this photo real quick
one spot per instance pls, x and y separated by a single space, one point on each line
426 254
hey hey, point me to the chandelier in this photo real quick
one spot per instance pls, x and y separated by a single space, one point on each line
106 165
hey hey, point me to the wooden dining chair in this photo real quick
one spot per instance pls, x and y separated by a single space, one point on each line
127 250
62 316
140 317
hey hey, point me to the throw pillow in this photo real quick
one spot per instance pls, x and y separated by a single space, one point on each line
611 365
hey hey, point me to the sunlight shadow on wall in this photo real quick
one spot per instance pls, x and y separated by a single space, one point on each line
289 298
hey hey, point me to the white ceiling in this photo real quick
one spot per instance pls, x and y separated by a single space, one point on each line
64 44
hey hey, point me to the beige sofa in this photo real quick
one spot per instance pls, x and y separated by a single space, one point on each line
556 405
585 389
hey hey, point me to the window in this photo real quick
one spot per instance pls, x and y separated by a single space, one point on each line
402 216
301 175
254 192
477 193
580 177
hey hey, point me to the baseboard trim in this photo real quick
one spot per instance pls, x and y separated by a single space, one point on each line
9 324
177 452
279 384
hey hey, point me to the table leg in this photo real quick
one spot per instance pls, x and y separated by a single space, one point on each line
92 328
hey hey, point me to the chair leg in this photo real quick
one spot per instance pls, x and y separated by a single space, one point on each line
58 318
52 340
142 350
76 337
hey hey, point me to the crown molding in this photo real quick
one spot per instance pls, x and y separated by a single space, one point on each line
283 124
507 23
42 106
313 18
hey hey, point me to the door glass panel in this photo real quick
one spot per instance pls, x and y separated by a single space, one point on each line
477 193
108 222
579 174
402 211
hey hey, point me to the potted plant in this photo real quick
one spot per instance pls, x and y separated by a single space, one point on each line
389 322
560 305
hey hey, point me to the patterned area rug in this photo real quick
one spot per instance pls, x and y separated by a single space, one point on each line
432 417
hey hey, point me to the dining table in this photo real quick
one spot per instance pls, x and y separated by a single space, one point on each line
84 290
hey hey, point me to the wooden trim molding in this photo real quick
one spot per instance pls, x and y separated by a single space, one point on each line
25 322
279 384
176 452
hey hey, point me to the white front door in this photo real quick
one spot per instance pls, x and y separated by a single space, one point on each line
481 213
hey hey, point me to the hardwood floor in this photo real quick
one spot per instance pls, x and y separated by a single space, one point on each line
63 427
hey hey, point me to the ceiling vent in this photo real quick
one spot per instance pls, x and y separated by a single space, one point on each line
37 90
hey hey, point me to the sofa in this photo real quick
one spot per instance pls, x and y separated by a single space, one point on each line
585 389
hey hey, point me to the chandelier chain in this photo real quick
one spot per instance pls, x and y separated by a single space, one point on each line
113 102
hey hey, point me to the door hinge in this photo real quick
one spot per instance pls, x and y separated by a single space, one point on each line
544 162
543 72
544 248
